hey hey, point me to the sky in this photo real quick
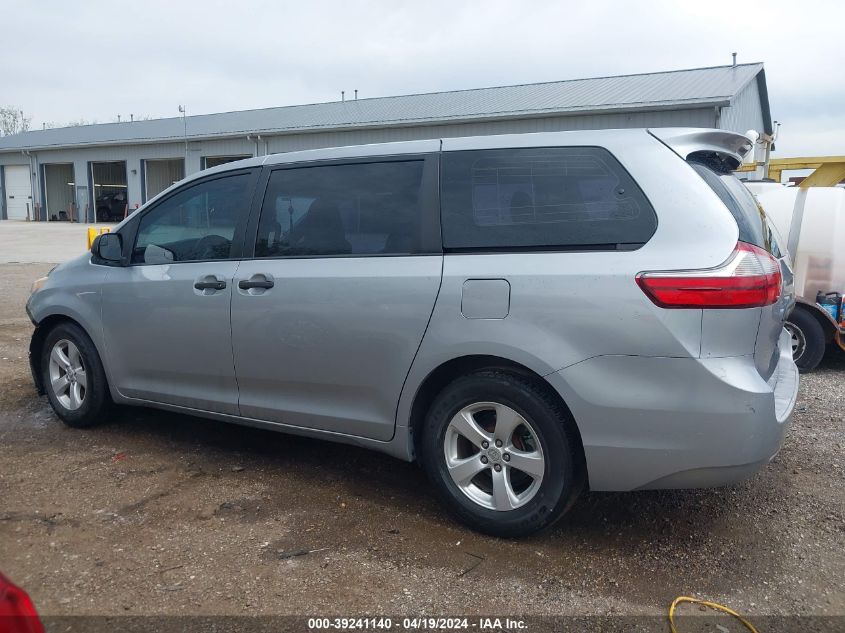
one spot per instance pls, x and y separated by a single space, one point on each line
92 60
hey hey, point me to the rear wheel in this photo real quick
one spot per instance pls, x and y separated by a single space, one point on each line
808 343
73 376
500 452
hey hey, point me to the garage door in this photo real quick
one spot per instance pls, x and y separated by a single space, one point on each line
160 174
18 192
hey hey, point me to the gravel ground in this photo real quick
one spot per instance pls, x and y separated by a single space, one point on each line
156 513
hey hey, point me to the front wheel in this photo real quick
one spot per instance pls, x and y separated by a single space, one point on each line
73 376
501 453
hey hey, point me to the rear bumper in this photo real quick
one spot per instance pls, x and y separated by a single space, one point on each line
677 422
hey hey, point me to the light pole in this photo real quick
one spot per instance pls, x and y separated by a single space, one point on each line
182 110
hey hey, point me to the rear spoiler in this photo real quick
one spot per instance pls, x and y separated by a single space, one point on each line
686 142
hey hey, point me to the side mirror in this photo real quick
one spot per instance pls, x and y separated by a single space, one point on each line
108 247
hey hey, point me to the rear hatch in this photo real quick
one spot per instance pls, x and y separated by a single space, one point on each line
754 228
713 155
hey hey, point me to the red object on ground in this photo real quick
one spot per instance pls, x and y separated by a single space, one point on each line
17 613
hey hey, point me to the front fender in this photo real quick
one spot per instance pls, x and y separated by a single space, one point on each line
72 293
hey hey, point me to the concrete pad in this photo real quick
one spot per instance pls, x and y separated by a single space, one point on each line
42 242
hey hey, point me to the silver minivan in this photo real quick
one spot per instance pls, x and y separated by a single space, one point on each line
525 316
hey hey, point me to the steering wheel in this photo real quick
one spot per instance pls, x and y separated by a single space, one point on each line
211 247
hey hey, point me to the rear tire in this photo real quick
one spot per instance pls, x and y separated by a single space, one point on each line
501 453
808 342
73 377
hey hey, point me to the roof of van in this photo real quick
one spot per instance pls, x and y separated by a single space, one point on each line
696 87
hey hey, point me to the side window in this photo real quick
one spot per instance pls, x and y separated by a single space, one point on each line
198 223
355 209
566 197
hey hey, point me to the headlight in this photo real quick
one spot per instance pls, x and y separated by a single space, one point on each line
37 285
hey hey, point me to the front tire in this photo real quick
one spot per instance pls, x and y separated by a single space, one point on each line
73 377
808 344
501 452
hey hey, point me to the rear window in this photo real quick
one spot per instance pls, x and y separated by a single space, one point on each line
753 226
548 198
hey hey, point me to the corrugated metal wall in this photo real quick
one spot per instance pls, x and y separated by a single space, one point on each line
699 117
160 174
134 155
744 113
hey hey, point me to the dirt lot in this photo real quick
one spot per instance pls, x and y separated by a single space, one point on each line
165 514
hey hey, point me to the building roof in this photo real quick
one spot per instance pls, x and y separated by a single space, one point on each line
697 87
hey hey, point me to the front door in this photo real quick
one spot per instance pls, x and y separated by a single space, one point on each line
166 315
327 318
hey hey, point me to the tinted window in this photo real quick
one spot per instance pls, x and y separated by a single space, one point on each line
197 223
567 197
356 209
750 218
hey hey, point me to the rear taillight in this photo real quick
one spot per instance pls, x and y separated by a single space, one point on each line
750 278
17 613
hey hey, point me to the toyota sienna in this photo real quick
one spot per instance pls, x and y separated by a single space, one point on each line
526 316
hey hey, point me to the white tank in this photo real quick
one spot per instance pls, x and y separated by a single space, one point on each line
811 221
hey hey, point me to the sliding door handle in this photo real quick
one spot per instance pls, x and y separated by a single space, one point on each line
247 284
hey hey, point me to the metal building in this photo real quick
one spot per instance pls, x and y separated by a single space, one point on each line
96 172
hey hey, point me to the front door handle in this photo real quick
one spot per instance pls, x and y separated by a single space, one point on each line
247 284
210 283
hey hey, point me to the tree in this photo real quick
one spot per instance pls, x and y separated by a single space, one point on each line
13 121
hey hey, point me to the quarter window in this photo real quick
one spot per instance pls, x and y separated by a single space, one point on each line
753 225
195 224
566 197
354 209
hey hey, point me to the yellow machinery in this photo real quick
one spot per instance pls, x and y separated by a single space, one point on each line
829 170
93 232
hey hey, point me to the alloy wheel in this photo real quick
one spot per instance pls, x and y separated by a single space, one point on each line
494 456
68 378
